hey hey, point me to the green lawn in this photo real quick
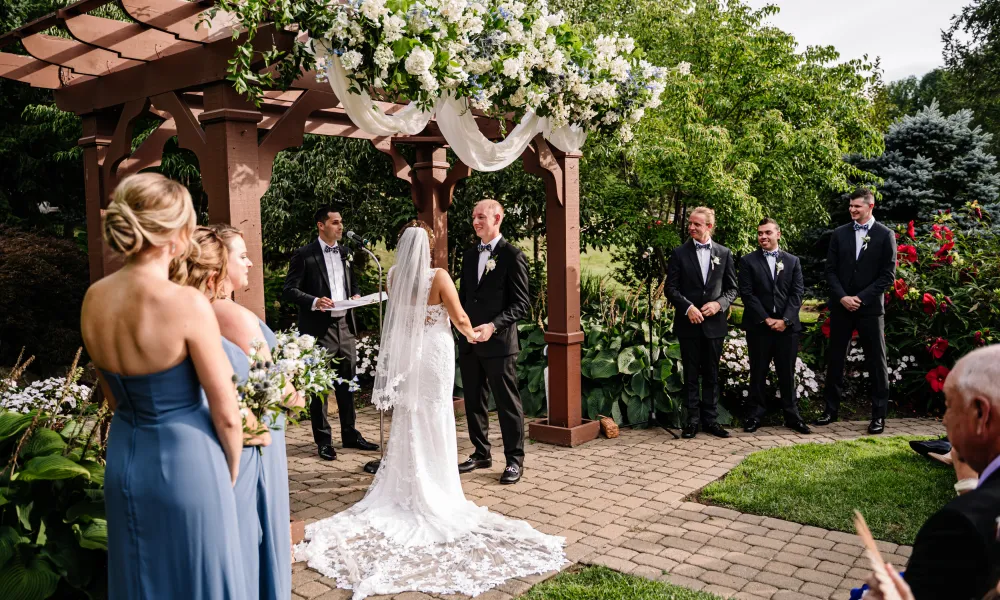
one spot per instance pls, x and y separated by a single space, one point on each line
821 484
600 583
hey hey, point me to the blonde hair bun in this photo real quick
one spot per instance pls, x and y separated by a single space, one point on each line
147 209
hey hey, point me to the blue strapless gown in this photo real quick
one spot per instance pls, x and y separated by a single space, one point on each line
248 489
172 526
276 553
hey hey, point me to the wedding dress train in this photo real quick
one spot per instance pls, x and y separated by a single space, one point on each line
414 530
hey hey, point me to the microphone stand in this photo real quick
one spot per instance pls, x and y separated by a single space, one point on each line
373 465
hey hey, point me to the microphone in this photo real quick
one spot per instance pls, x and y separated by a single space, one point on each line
357 239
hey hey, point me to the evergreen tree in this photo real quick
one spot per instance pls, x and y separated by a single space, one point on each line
934 161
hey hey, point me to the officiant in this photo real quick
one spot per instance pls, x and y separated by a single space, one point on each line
319 277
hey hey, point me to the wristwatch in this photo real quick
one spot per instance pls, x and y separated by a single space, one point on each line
788 322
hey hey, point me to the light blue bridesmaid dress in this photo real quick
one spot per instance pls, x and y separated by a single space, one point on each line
248 489
275 550
172 524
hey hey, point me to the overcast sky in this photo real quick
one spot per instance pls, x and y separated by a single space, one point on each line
905 33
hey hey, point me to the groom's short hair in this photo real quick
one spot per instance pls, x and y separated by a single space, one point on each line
324 211
493 205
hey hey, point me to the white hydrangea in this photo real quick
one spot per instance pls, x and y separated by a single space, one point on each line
419 61
684 68
374 9
512 66
392 28
384 57
516 31
540 27
428 82
619 68
351 60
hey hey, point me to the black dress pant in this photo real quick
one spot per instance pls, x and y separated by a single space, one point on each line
872 338
339 340
781 348
480 375
700 359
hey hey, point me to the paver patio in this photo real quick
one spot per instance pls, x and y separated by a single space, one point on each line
621 503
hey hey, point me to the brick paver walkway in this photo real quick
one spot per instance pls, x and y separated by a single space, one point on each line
620 503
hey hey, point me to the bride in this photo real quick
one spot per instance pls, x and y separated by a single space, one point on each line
414 530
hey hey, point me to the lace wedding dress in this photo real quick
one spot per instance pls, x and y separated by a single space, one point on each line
414 530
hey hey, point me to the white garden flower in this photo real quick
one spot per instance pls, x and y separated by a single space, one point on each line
516 31
684 68
540 27
306 341
428 82
419 61
392 28
351 60
374 9
384 57
626 45
557 19
512 66
453 10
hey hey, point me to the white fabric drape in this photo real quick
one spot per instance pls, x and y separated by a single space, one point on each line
454 119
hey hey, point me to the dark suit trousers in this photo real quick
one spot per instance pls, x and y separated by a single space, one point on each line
781 348
700 358
340 341
870 333
480 375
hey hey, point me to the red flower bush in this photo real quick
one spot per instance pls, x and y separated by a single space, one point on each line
901 288
910 231
938 347
930 304
936 376
907 253
826 328
945 249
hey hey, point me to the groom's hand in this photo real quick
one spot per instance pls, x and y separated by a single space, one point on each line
324 304
485 331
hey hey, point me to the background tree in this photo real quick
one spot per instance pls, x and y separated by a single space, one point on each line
972 57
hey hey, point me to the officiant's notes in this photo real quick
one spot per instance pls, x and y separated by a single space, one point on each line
362 301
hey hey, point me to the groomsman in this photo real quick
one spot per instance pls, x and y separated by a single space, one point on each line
701 284
771 287
860 267
319 277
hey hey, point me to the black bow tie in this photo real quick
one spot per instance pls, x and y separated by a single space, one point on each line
773 253
336 249
700 246
860 227
485 248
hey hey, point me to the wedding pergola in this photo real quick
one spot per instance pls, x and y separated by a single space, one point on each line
163 64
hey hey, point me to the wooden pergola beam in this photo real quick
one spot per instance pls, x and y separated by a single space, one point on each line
81 58
129 40
186 20
50 20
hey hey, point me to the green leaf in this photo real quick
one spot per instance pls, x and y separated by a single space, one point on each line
41 538
674 351
27 577
71 430
630 360
12 424
24 515
9 539
604 365
638 411
674 384
86 509
640 385
595 403
51 468
94 536
616 413
43 442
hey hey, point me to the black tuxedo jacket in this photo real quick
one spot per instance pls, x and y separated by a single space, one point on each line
501 298
307 280
956 555
685 288
869 275
767 298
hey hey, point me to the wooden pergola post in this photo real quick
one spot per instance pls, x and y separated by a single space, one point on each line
98 130
231 177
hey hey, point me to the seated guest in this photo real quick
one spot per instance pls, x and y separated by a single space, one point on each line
956 555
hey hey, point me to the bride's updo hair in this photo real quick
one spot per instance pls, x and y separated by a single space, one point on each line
148 209
420 225
208 264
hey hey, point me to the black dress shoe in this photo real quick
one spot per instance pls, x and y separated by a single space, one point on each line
799 426
876 427
512 474
327 453
826 419
689 431
716 430
925 447
362 444
751 425
474 463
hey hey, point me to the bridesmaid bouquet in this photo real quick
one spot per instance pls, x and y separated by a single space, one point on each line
310 367
260 395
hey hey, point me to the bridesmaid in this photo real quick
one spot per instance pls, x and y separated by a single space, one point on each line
172 458
242 326
207 272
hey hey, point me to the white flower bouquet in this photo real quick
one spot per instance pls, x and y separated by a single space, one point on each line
310 367
261 394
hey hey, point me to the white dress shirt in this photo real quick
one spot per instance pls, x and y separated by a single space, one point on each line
860 234
484 256
335 275
705 260
771 263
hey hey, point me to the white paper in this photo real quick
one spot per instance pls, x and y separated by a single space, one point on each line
362 301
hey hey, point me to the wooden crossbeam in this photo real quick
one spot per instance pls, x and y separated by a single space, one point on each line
130 40
50 20
28 70
81 58
181 18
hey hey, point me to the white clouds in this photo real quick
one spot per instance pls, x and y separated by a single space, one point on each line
906 34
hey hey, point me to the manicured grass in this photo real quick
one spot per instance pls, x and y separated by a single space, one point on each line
821 484
600 583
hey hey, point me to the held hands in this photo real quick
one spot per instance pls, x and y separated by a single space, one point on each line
481 333
851 303
775 324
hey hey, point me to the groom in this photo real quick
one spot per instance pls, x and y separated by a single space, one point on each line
494 292
318 277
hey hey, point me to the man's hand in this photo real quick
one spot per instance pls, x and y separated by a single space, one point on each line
878 591
356 297
851 303
769 322
485 332
695 316
778 325
711 308
324 303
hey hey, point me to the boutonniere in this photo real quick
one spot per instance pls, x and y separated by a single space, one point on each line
715 262
864 242
779 267
347 257
491 264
